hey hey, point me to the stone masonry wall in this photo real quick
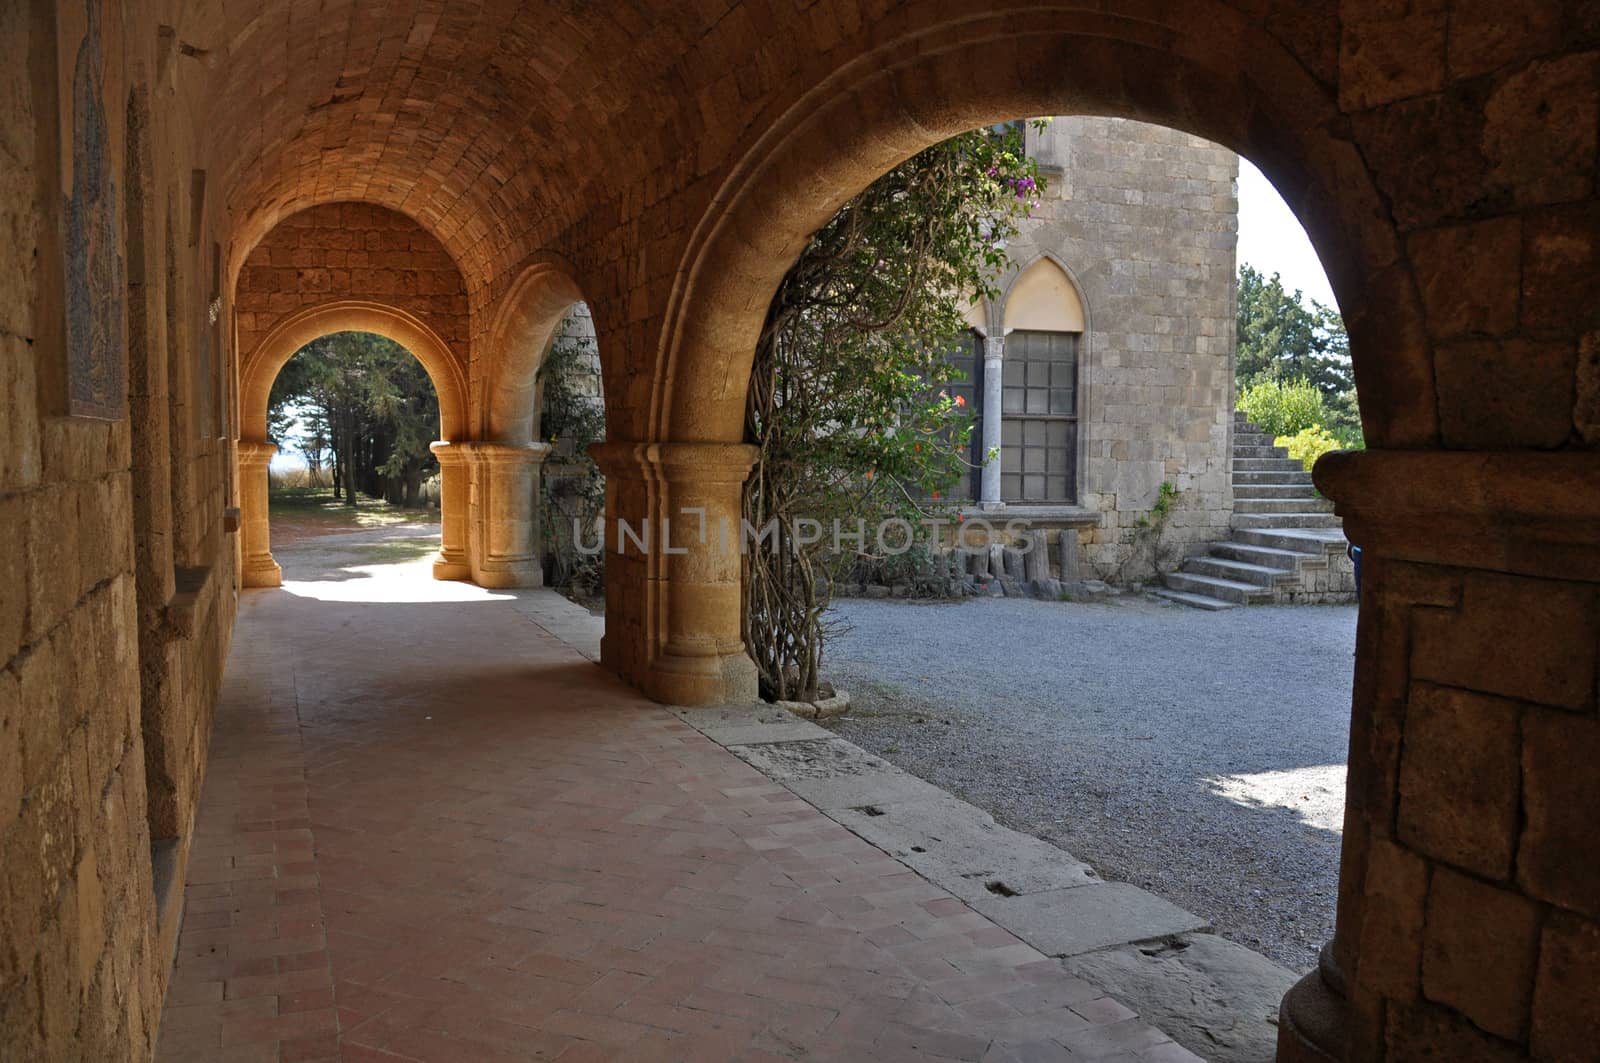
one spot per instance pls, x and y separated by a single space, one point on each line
1481 929
1145 219
356 251
116 585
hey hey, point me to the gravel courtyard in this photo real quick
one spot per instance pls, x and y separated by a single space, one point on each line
1198 755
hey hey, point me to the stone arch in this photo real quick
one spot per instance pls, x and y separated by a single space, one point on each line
525 323
1202 69
261 367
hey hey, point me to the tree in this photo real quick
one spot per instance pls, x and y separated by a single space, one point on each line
366 401
1280 338
847 404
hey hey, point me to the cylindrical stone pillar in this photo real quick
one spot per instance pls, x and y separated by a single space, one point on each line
683 550
454 495
504 528
993 419
259 569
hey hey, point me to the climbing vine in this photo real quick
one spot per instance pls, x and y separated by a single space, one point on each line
572 489
848 404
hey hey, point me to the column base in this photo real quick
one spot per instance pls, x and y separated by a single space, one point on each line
507 575
726 679
450 567
1311 1022
261 572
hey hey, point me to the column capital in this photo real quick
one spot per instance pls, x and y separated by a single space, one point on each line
1534 513
489 453
447 452
994 348
676 462
256 452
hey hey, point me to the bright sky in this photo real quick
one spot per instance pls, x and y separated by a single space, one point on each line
1271 239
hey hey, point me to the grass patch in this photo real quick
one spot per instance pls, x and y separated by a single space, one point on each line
314 509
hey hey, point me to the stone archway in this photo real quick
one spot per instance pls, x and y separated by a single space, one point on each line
261 368
1492 534
1203 69
525 324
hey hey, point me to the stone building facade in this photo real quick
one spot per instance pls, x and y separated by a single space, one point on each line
1105 368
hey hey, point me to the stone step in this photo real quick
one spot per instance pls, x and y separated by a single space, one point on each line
1290 489
1287 561
1195 601
1267 465
1252 439
1246 451
1286 476
1211 586
1282 505
1312 542
1285 520
1237 571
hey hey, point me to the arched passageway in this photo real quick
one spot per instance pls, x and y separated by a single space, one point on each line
256 450
1425 591
1443 159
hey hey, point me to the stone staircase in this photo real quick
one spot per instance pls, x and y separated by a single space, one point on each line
1287 544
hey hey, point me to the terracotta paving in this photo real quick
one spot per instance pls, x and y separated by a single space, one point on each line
430 831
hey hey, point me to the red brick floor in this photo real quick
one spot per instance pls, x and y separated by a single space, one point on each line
432 832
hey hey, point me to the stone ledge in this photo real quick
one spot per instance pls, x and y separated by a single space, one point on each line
1533 513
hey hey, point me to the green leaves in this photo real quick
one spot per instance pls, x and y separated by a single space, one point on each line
374 391
850 400
1279 338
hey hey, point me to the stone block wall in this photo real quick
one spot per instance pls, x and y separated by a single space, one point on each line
1145 221
116 586
351 251
1479 935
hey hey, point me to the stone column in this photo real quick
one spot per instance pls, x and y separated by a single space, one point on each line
455 490
259 569
674 573
503 535
1469 860
993 416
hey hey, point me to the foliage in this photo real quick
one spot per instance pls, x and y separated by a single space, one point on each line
369 403
572 490
847 401
1280 338
1284 407
1309 444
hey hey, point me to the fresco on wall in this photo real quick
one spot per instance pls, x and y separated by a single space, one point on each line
96 375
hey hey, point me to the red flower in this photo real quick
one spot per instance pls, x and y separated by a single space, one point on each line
961 400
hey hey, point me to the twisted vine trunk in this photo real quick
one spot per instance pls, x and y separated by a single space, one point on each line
782 616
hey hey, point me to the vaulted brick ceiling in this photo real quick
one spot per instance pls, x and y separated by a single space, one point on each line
484 121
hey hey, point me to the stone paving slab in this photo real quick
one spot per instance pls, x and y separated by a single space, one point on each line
563 618
962 848
1068 922
744 726
855 791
